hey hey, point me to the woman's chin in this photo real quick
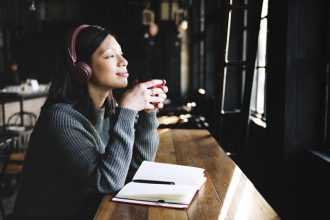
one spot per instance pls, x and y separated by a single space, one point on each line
120 85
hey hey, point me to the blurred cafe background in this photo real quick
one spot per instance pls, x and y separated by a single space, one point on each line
255 73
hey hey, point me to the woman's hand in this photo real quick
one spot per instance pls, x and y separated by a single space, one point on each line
148 96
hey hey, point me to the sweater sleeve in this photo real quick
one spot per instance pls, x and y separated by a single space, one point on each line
146 139
75 138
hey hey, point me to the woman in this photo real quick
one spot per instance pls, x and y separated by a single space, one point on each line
13 75
83 145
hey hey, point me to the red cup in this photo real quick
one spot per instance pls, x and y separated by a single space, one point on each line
153 87
159 85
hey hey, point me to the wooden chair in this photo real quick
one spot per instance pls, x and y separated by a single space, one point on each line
20 132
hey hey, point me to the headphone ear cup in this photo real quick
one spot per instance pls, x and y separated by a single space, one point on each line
82 72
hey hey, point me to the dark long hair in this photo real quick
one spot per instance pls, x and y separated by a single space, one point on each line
64 89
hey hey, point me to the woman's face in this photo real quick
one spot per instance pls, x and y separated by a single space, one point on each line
109 66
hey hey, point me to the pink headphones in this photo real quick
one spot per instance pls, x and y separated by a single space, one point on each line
81 71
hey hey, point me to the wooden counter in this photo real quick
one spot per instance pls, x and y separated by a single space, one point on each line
227 194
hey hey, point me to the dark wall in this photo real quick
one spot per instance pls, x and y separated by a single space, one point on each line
38 53
307 187
304 73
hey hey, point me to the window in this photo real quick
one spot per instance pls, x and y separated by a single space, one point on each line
236 56
239 62
258 108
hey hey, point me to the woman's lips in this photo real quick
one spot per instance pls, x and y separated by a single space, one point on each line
122 74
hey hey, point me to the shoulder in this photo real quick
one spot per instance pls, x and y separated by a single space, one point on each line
61 115
60 109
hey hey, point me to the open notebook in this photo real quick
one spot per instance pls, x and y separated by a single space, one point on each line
162 184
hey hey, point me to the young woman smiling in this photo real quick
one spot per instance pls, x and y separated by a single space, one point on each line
85 143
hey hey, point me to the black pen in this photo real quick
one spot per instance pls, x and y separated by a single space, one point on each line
153 182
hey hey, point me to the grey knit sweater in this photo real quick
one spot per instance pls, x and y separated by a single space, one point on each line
72 162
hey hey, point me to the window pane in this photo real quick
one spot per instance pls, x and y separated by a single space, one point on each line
262 42
258 91
259 81
261 91
236 35
264 10
233 88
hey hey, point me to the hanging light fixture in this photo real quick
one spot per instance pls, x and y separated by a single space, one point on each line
178 16
148 16
148 19
184 25
32 6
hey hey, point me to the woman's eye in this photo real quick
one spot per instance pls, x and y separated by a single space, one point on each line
109 56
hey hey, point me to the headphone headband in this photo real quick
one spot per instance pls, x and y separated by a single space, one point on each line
81 71
71 44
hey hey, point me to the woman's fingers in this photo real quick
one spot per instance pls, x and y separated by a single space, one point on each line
153 83
156 91
148 95
160 105
156 99
165 89
162 95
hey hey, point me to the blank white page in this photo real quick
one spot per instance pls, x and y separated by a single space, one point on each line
180 175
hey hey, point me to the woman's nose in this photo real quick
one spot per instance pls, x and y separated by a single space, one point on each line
123 61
